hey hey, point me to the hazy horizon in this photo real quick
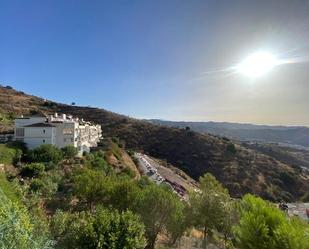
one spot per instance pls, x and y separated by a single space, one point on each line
160 59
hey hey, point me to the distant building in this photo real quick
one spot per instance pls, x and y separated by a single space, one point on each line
57 130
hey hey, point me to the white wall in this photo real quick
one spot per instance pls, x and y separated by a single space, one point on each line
35 136
62 139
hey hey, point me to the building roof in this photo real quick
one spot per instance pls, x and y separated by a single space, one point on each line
40 125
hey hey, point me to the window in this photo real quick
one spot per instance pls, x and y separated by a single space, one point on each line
72 139
44 131
64 140
44 141
68 131
20 132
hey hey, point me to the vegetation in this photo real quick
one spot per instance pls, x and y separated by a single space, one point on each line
102 229
9 155
263 226
85 203
17 229
209 206
69 151
54 199
241 171
45 153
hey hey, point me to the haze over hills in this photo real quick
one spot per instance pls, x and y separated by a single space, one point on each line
292 135
240 169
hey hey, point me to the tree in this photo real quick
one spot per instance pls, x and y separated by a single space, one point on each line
263 226
208 206
178 222
91 187
123 194
156 206
45 153
32 170
69 151
102 229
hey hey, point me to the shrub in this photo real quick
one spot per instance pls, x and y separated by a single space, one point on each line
69 151
45 186
129 172
32 170
17 145
263 226
103 229
9 155
45 153
16 228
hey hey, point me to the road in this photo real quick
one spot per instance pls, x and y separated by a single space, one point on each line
161 174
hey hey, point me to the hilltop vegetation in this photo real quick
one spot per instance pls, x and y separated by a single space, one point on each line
70 202
239 169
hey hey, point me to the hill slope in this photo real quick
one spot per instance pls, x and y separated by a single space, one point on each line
241 170
247 132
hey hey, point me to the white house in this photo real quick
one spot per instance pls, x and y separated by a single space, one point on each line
57 130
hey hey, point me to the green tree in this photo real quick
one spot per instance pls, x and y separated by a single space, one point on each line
178 222
91 187
156 206
263 226
208 206
123 194
69 151
45 153
102 229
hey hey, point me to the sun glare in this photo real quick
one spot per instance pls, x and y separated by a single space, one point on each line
257 64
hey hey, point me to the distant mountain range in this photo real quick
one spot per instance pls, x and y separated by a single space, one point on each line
290 135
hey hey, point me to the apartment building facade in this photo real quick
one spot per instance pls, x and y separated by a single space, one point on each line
58 130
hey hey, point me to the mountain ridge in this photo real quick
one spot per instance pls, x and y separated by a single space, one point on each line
297 135
241 170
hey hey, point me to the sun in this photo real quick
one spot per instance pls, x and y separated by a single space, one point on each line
257 64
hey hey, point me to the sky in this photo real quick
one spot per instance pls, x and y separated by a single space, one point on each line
164 59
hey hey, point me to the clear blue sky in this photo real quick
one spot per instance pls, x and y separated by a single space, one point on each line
146 58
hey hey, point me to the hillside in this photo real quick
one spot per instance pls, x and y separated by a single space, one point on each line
292 156
247 132
240 169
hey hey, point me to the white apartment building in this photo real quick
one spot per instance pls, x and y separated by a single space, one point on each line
57 130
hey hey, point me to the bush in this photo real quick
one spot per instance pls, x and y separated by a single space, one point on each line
96 160
36 185
32 170
9 155
45 186
129 172
69 151
16 228
263 226
45 153
17 145
103 229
